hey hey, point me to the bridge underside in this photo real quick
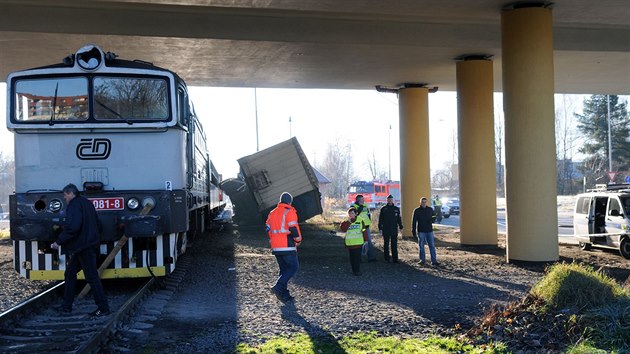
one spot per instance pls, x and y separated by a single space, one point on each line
316 44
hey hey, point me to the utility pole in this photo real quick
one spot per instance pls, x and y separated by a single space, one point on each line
256 109
290 133
389 147
609 135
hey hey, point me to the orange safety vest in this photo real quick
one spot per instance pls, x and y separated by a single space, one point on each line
279 221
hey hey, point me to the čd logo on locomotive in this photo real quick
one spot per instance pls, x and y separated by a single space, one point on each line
94 149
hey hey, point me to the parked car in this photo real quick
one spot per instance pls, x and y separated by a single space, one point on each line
453 206
446 211
602 218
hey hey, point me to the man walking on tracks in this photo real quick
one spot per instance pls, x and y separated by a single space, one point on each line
80 240
389 221
284 237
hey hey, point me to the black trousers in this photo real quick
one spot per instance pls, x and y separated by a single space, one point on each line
393 240
355 259
84 260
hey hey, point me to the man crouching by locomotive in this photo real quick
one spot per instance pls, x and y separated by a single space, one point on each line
284 236
80 240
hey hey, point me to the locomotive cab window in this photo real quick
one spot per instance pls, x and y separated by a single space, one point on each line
130 98
51 99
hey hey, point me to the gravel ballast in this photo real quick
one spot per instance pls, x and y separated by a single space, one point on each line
224 298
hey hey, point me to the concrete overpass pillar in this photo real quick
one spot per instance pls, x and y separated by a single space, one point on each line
477 163
530 152
415 169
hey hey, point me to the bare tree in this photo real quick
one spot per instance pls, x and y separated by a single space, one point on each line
377 173
337 166
442 179
7 180
566 138
498 151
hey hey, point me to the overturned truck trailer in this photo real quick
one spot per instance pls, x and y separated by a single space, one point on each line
265 175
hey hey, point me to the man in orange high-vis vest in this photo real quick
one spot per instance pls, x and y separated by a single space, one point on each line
284 237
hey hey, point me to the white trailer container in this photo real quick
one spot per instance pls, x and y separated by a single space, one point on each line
270 172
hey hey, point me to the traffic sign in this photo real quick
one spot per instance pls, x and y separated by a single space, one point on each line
627 180
612 175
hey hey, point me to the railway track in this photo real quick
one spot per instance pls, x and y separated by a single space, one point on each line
34 326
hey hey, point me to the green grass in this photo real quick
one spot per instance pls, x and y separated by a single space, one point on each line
4 233
585 348
608 326
601 304
360 343
576 287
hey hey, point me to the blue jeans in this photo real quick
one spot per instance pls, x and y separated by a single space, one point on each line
84 260
428 238
288 264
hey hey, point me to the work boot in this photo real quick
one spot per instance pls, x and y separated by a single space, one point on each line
277 293
98 313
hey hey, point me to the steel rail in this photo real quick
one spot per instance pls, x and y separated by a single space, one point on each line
27 305
99 337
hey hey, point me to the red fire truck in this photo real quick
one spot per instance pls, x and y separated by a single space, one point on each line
374 192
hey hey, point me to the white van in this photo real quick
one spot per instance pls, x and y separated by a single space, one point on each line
602 218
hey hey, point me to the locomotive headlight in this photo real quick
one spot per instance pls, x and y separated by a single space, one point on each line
89 57
133 203
54 205
148 201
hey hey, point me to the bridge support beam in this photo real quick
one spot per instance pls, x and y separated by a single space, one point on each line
530 152
415 169
477 163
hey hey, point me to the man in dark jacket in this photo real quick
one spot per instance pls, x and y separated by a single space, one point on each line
422 228
79 241
389 222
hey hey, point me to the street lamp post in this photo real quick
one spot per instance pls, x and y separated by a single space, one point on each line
389 151
609 134
290 133
256 109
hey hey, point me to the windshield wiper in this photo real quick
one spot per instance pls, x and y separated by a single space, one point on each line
54 106
112 111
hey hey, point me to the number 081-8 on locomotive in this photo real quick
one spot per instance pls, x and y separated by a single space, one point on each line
126 133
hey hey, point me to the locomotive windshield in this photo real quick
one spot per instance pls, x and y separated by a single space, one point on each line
60 99
130 98
68 99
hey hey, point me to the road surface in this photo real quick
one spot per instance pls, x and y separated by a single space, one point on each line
565 225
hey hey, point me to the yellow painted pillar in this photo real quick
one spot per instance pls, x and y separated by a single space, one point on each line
530 151
415 169
477 162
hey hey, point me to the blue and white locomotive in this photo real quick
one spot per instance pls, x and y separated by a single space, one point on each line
126 134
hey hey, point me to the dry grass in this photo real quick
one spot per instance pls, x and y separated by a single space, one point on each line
572 309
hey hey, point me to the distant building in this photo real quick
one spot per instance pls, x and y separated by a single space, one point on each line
324 184
321 179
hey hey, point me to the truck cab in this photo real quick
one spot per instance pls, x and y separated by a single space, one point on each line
602 218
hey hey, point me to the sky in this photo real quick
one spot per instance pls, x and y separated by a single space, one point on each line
360 118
